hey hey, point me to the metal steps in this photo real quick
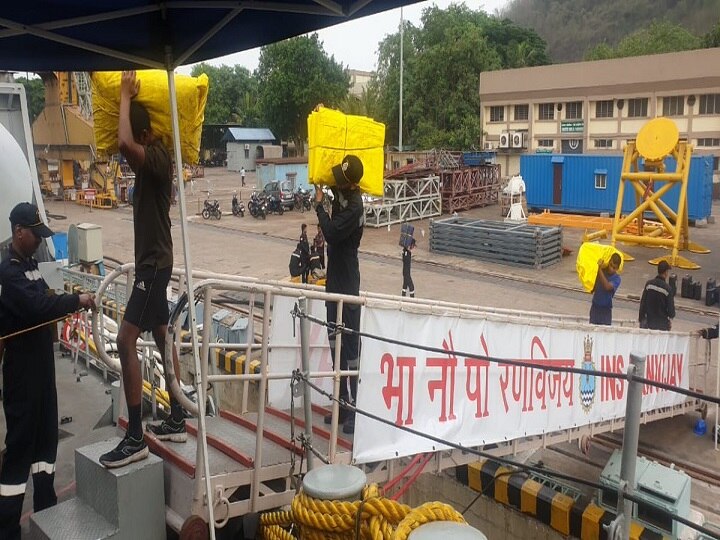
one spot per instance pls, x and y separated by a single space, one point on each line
123 504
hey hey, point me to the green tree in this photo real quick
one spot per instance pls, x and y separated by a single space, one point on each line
659 37
366 104
294 76
35 93
443 59
712 38
232 95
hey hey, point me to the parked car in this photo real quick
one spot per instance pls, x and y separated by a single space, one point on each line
283 191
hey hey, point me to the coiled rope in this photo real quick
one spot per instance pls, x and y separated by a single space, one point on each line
374 517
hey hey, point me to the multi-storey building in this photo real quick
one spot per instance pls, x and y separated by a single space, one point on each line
593 107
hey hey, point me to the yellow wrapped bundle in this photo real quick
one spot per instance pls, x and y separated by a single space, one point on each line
332 135
587 262
154 94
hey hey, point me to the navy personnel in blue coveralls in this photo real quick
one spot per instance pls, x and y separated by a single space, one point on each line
29 393
606 285
343 230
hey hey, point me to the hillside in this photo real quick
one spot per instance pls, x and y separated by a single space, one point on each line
572 27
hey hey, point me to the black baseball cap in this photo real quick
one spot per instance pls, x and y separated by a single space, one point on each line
27 215
348 171
663 267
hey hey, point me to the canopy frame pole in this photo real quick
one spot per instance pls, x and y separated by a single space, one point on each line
210 33
202 450
84 45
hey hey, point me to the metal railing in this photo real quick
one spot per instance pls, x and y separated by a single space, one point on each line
207 492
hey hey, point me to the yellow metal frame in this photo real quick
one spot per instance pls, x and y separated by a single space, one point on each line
656 140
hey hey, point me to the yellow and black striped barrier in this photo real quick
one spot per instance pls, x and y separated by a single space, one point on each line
234 362
581 519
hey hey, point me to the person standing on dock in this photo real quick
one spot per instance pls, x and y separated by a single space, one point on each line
657 307
606 284
408 288
343 230
28 311
147 307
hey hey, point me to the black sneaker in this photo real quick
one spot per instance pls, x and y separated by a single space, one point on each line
128 451
349 425
343 415
169 430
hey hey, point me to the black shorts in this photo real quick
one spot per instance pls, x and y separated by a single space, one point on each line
147 307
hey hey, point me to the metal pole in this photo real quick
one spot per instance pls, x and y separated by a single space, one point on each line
631 434
402 39
189 281
717 392
307 396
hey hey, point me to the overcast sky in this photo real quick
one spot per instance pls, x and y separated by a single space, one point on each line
355 43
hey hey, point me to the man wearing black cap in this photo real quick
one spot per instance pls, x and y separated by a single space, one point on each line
29 393
342 231
147 307
657 307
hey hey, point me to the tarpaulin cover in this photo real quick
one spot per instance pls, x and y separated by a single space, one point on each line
587 262
332 135
191 99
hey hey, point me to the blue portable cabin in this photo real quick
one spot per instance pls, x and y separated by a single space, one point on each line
588 184
278 169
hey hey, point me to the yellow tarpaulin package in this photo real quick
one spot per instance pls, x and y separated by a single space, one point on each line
191 99
332 135
587 262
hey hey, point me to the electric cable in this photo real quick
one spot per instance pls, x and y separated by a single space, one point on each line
518 363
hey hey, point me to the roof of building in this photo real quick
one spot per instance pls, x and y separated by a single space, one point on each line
248 134
660 72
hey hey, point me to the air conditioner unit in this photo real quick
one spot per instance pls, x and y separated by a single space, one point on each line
516 140
488 145
247 147
504 140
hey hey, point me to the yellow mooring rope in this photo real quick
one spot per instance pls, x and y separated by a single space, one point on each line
376 517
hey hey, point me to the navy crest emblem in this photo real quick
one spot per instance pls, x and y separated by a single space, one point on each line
587 382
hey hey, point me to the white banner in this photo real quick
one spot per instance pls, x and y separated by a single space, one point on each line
474 402
284 355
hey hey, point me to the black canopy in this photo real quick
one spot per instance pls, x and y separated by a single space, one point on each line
83 35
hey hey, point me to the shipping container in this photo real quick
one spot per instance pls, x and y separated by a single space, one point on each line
588 184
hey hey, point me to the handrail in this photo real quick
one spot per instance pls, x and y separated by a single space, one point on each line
115 364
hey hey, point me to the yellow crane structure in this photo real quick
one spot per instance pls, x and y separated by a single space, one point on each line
63 133
644 171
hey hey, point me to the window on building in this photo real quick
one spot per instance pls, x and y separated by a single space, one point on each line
716 164
522 112
546 143
710 104
708 142
638 108
603 143
573 110
247 153
600 179
604 109
497 113
546 111
673 105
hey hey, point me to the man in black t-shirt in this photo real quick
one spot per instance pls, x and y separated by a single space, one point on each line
147 308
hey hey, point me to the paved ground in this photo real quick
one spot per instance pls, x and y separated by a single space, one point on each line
261 248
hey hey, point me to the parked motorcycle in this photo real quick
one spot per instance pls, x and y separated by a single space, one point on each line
238 207
211 209
274 205
257 206
302 200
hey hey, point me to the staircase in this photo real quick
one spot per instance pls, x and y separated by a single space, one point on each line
124 503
